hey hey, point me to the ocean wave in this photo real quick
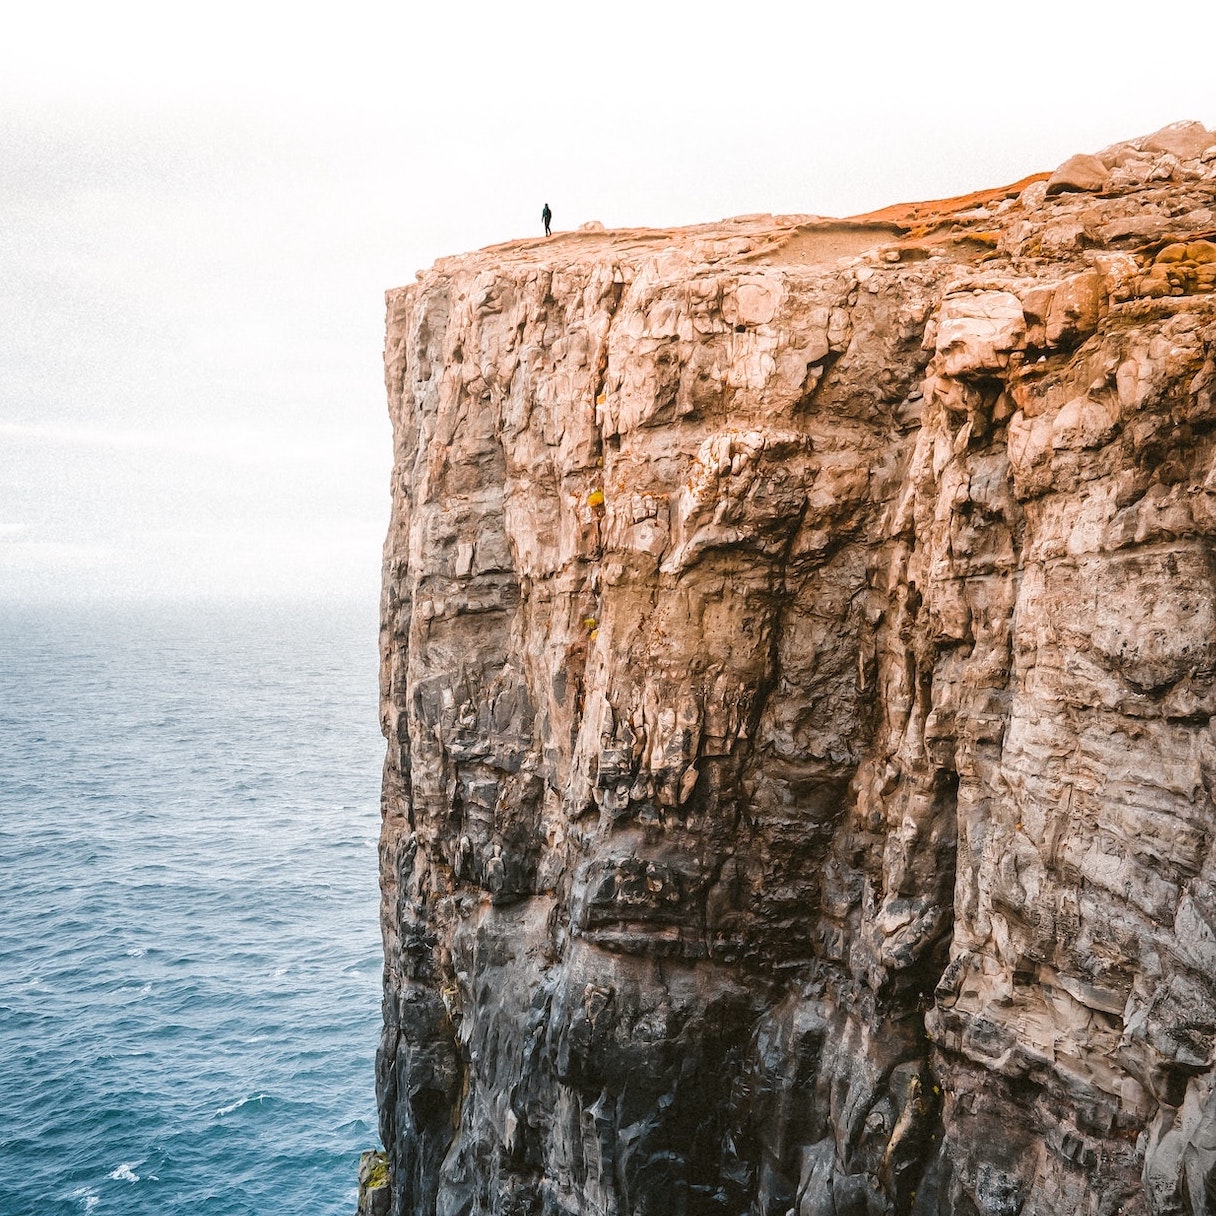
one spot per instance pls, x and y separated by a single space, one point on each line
132 867
137 991
227 1110
88 1199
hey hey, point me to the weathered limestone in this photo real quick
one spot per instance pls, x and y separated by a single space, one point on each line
1079 172
799 655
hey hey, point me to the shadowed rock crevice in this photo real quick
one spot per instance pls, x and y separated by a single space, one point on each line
797 670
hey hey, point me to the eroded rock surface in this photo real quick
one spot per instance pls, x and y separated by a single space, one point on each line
799 653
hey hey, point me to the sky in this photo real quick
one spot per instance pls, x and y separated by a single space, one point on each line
202 206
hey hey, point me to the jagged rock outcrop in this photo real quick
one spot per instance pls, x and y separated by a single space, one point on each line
799 654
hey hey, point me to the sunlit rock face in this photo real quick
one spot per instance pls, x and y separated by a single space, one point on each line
799 649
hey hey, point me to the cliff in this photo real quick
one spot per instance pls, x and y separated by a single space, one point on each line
799 654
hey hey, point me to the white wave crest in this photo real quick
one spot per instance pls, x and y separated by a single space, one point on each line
227 1110
124 1172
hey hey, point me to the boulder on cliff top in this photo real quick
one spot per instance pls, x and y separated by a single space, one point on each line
1078 173
1185 140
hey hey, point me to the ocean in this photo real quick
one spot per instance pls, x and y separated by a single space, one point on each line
189 943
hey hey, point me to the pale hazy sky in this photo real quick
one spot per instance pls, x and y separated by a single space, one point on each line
202 206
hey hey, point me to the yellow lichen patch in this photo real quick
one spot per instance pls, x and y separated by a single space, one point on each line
1172 253
589 622
595 498
375 1170
1180 270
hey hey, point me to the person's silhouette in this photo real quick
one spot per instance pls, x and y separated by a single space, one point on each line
546 215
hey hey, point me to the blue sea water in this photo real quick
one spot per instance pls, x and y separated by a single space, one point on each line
189 947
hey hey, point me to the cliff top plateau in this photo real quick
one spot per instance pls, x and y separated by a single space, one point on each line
965 228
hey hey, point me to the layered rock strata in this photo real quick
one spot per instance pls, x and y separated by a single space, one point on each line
799 653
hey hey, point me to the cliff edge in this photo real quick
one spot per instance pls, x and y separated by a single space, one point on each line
799 655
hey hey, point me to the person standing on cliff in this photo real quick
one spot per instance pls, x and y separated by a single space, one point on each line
546 215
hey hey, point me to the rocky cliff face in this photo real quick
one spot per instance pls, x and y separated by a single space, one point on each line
799 653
